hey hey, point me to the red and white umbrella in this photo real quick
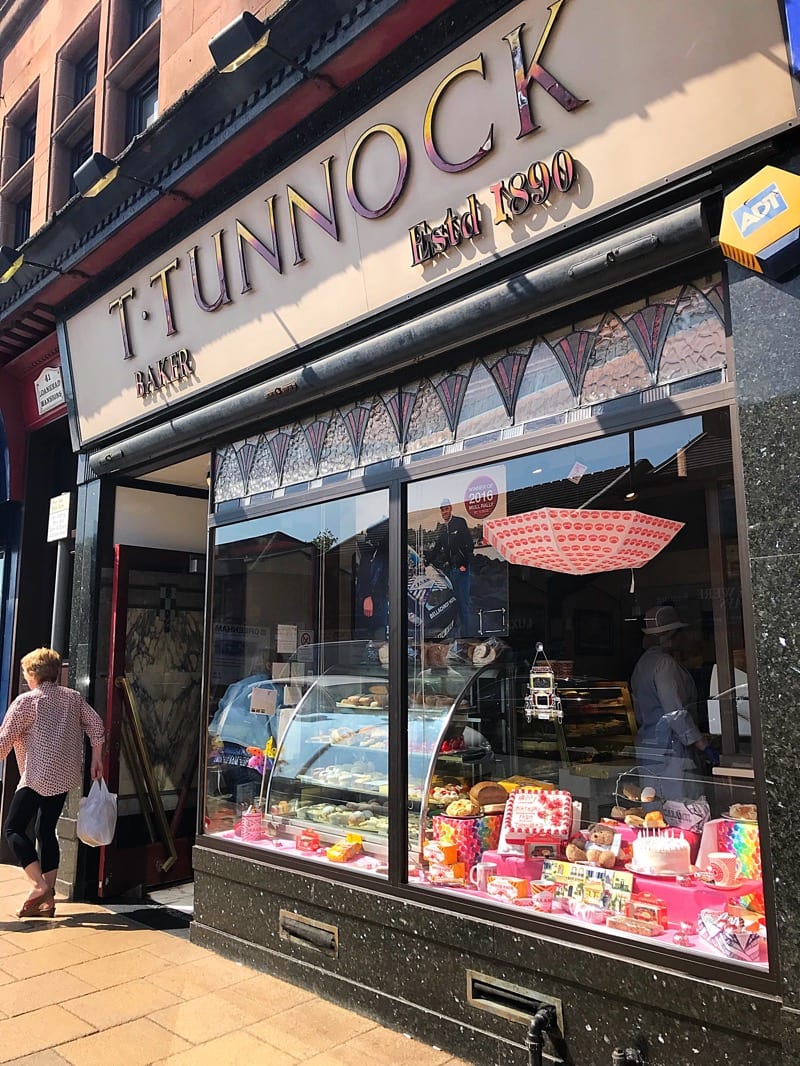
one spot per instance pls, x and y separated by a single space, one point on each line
573 541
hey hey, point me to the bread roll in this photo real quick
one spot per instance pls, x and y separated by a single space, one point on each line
462 808
488 792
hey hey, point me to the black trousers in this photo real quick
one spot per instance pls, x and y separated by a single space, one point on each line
26 806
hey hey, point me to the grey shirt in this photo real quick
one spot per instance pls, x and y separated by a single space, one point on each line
663 691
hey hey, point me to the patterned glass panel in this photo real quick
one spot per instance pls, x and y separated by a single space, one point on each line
616 367
228 481
696 339
337 449
675 335
264 475
544 388
428 426
380 437
483 408
300 465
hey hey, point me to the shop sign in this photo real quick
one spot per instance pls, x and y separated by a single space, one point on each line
526 129
49 389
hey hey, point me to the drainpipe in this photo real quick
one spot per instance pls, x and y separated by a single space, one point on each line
545 1020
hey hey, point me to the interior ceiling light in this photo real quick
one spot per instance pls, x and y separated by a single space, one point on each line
98 171
11 259
239 41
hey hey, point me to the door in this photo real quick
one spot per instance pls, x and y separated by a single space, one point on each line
152 717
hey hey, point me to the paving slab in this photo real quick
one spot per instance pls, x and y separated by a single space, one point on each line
93 985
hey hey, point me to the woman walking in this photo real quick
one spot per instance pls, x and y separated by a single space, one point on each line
45 727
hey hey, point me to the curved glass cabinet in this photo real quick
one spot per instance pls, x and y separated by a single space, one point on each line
331 772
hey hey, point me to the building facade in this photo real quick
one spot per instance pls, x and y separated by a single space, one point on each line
434 530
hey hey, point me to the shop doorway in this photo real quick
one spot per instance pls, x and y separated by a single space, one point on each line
153 697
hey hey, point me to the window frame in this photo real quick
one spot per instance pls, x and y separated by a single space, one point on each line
712 967
85 75
22 219
27 140
143 15
137 96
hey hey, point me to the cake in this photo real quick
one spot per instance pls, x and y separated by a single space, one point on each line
661 854
531 812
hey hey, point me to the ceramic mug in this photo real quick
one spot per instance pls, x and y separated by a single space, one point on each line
251 825
543 894
480 873
723 867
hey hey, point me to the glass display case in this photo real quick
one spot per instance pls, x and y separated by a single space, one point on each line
330 777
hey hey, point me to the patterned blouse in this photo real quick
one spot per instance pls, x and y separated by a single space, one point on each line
45 728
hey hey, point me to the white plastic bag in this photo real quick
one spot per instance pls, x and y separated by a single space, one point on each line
97 815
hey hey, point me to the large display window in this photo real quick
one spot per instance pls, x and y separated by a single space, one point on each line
576 712
604 778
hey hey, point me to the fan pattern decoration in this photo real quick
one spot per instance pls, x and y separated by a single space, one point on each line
676 336
574 541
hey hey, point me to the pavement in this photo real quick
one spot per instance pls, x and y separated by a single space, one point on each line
94 985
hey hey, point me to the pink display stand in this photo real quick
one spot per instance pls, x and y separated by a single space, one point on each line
685 901
514 865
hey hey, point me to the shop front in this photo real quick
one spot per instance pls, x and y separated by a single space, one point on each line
482 645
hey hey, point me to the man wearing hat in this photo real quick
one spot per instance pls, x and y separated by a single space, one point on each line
663 693
452 552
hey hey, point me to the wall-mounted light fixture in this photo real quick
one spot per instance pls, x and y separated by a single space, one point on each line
237 42
99 171
11 259
244 38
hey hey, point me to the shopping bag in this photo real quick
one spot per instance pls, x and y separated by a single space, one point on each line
97 815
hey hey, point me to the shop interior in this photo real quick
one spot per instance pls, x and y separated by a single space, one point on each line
148 689
532 770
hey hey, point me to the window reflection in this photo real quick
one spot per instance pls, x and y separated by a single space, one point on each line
593 759
298 728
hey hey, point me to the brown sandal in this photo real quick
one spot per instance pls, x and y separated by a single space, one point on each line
43 906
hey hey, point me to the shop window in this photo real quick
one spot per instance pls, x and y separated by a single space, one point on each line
298 727
142 104
577 695
588 674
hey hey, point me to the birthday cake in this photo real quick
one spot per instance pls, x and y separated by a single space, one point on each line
661 854
533 812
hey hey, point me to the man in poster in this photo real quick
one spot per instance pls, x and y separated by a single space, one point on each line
452 553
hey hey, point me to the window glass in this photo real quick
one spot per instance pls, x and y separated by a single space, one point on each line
79 153
22 220
298 727
143 105
85 75
27 139
143 14
579 728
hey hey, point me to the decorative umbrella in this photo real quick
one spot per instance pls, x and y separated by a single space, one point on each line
575 541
